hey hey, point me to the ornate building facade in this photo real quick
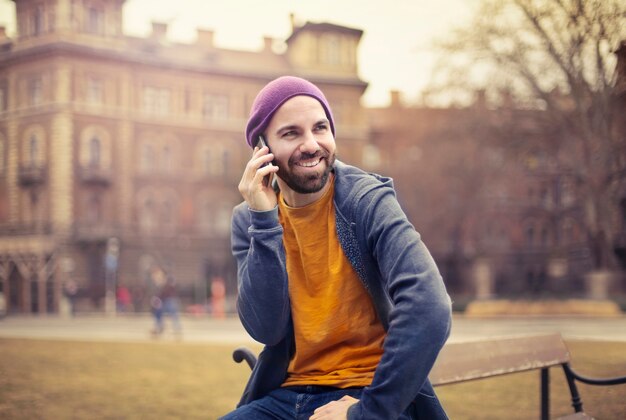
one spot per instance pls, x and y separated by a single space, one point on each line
120 156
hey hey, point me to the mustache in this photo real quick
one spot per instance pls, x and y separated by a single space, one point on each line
306 155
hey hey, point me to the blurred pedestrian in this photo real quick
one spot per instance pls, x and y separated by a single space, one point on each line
218 297
166 304
70 290
123 298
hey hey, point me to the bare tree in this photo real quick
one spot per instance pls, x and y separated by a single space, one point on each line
558 58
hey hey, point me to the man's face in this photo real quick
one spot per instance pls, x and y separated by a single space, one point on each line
303 144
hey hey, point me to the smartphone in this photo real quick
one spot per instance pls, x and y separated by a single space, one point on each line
261 143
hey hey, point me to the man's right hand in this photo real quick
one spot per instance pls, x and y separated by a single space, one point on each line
258 195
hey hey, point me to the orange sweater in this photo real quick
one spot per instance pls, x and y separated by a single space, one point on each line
337 333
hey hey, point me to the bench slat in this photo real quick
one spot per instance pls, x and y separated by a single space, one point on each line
459 362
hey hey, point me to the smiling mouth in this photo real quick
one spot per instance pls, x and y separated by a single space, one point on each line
309 163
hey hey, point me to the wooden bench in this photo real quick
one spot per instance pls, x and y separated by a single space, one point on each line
466 361
460 362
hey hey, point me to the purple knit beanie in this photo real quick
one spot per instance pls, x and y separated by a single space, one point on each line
273 95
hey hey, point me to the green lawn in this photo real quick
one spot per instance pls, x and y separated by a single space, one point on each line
161 380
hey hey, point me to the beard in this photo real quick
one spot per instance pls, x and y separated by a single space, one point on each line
307 183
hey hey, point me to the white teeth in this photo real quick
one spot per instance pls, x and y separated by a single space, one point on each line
309 164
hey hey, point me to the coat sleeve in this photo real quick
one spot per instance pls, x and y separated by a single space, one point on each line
263 294
420 318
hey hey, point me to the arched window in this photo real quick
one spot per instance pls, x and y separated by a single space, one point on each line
167 160
2 151
530 234
37 19
147 215
147 158
33 150
35 91
95 151
568 232
545 236
95 21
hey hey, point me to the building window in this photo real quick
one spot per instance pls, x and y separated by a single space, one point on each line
37 20
95 21
32 154
147 216
215 160
530 235
568 232
33 151
330 53
567 193
214 106
95 148
35 91
3 99
545 197
156 101
146 164
94 91
187 101
223 219
168 213
545 237
2 151
95 152
225 162
167 161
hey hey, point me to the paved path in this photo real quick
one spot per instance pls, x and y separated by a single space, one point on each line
229 331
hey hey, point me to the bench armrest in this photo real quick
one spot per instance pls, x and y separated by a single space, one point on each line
593 381
243 353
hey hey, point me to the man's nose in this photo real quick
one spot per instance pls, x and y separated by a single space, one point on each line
309 145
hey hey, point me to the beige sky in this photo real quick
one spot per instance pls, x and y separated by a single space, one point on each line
395 50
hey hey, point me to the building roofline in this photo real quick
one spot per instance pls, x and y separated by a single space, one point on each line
324 27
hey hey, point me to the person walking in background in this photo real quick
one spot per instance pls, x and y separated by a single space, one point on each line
70 290
124 299
165 303
332 277
218 298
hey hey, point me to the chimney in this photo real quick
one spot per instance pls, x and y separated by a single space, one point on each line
292 21
205 37
159 31
396 100
480 99
507 99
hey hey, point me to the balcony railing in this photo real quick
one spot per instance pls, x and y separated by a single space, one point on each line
20 229
31 175
95 175
85 232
